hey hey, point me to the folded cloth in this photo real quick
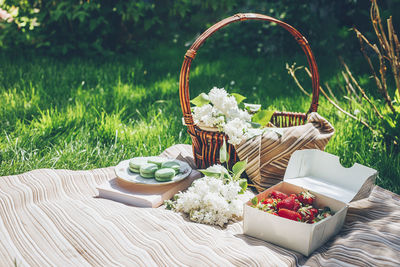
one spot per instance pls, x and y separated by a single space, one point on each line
268 154
53 218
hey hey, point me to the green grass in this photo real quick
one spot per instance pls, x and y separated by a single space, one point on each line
89 113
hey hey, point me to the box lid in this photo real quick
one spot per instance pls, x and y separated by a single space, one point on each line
322 172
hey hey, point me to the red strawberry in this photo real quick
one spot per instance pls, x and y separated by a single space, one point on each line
290 214
306 198
268 201
293 195
307 214
297 205
278 194
288 203
314 211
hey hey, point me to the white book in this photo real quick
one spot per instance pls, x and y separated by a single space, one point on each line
143 195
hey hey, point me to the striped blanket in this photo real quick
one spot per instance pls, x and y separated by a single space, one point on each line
53 218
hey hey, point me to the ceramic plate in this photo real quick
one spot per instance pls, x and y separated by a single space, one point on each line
122 171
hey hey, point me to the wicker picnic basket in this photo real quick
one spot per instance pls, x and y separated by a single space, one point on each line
206 144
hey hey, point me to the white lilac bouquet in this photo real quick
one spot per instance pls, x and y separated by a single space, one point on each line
215 199
229 114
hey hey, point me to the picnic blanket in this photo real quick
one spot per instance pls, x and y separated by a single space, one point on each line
53 218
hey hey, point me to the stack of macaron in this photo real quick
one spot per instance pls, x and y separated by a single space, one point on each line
163 170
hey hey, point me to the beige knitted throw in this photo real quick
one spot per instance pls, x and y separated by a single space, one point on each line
268 154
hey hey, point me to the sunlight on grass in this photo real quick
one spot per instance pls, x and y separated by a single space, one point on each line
78 114
17 105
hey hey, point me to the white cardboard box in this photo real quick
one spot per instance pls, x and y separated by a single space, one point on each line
333 185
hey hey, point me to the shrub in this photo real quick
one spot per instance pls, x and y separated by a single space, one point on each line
377 109
94 26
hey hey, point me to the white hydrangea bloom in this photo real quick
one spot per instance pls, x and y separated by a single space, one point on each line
202 113
217 95
219 121
236 130
222 101
230 191
238 113
224 113
214 185
228 105
210 201
208 115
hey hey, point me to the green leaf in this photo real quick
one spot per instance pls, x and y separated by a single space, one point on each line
239 98
243 185
238 169
200 100
262 117
252 108
254 201
210 173
226 177
216 171
223 153
255 125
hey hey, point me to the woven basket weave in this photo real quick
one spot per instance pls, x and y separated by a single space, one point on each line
206 144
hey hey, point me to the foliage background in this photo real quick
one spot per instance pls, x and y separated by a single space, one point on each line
63 27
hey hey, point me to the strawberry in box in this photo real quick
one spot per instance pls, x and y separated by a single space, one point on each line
290 214
288 203
309 206
306 198
278 195
308 214
290 207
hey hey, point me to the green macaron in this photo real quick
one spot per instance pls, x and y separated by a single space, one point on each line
165 174
173 165
157 161
147 170
135 164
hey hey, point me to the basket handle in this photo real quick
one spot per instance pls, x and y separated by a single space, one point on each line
191 53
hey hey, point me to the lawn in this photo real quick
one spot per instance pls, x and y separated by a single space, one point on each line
76 113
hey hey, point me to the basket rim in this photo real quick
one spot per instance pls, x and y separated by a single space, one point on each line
198 128
191 53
